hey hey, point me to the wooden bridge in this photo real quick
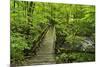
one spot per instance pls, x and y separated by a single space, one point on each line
45 48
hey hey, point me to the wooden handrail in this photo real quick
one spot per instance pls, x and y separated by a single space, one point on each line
39 40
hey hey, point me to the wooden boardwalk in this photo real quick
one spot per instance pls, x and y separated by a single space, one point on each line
46 53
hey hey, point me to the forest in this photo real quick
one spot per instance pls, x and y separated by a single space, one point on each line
71 29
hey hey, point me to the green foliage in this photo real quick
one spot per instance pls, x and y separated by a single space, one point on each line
18 44
73 23
74 57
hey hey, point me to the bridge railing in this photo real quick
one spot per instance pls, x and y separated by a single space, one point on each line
37 42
